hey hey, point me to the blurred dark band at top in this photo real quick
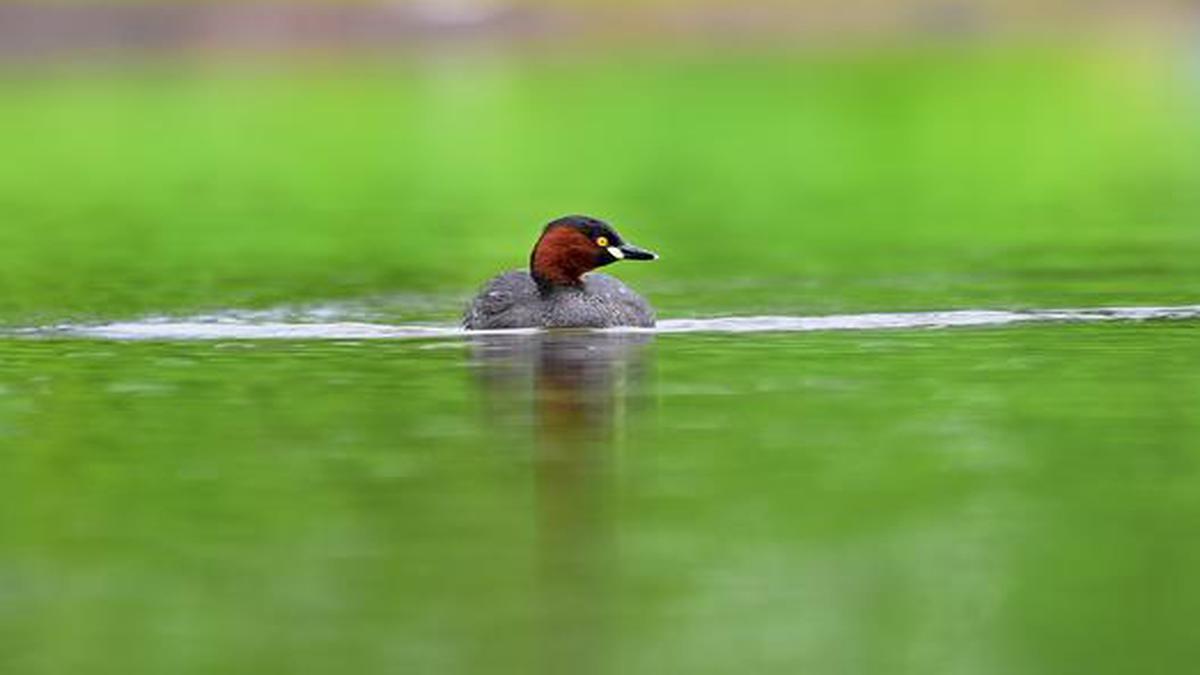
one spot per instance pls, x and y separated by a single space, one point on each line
37 31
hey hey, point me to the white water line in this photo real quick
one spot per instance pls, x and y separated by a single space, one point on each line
235 328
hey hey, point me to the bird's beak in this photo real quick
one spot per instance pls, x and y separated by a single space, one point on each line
631 252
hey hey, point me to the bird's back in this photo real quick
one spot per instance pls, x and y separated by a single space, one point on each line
603 302
512 300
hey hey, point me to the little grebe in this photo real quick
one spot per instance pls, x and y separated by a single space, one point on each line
557 291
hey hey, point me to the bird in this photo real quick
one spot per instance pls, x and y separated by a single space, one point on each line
560 289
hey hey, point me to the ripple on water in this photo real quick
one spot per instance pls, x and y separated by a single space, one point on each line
237 326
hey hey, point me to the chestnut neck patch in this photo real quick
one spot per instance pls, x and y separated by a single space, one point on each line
562 256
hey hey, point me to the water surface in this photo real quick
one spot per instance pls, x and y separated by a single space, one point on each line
1012 499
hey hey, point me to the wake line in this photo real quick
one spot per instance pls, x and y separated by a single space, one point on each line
948 319
234 328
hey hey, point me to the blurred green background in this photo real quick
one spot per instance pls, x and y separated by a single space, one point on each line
909 172
993 500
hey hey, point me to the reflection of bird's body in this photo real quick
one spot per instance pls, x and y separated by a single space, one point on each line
555 293
572 396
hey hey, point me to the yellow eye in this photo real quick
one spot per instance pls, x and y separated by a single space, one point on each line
602 242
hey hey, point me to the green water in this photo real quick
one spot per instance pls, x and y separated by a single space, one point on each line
1017 500
992 500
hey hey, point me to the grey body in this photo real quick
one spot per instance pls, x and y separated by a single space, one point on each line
512 300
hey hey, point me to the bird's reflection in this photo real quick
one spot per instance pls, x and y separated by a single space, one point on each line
573 397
